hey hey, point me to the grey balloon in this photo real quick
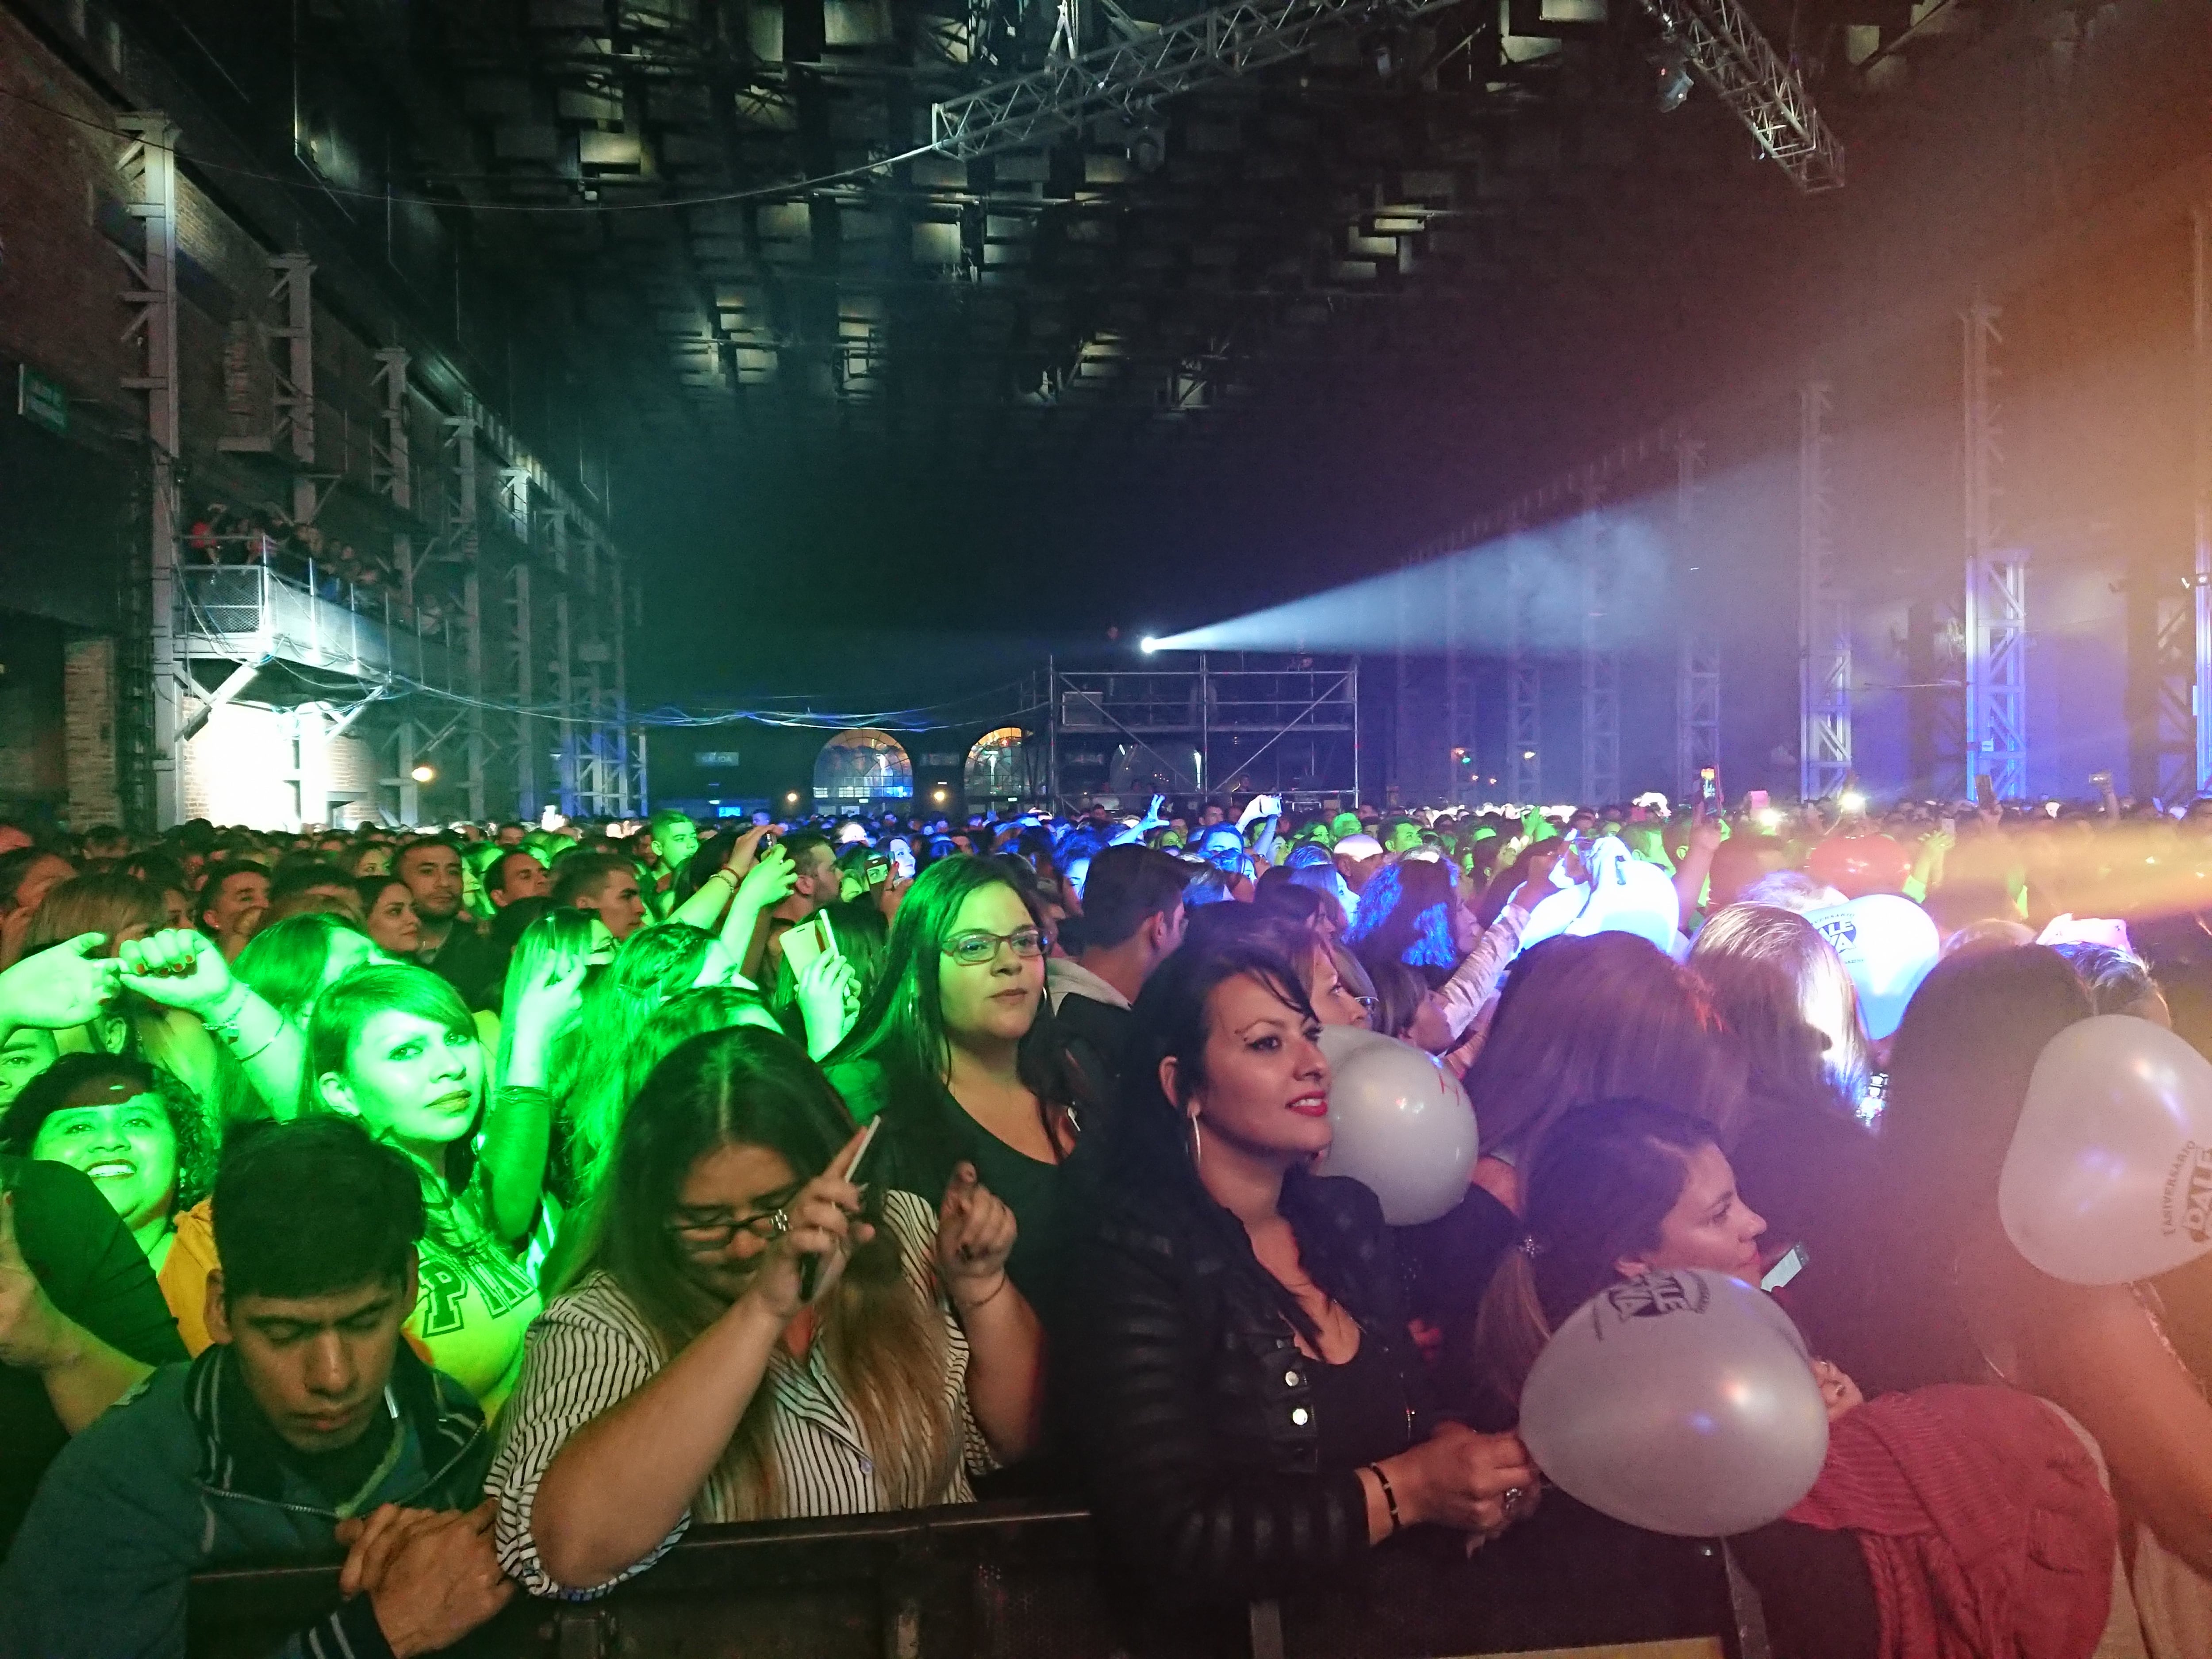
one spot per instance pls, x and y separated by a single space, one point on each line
1682 1402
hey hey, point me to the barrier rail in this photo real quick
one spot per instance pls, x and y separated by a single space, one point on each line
1002 1581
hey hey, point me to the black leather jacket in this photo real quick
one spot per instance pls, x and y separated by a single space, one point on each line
1190 1405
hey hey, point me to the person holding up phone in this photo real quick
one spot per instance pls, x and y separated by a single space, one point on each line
750 1332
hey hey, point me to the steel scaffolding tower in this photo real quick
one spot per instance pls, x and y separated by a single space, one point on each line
2200 705
1824 627
1524 684
1995 613
148 168
1601 661
1697 680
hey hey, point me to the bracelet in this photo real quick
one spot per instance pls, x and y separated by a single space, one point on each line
229 1027
1389 1497
988 1300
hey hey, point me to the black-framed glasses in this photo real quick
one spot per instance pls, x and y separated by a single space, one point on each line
974 948
700 1236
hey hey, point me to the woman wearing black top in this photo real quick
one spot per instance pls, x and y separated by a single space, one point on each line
1250 1412
955 1050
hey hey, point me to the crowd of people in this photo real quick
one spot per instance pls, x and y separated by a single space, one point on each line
481 1209
220 534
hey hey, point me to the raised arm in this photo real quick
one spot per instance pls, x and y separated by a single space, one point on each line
182 969
975 1234
518 1129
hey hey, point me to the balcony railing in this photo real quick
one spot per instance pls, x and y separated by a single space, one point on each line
240 614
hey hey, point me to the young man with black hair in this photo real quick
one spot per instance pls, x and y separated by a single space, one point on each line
675 840
1133 917
516 874
234 897
604 884
453 947
309 1432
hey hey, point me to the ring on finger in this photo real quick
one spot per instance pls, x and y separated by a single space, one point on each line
1513 1497
781 1220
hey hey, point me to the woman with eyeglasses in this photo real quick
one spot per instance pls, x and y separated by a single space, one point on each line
956 1050
747 1335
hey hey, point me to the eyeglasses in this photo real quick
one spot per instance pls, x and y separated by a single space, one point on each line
712 1237
972 950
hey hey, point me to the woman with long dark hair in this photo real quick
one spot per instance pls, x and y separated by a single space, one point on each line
957 1051
1250 1410
687 1369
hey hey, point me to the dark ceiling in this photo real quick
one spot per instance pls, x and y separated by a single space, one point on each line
1138 376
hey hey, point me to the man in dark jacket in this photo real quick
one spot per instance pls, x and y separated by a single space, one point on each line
1133 917
309 1432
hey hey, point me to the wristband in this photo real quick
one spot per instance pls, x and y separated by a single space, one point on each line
1389 1497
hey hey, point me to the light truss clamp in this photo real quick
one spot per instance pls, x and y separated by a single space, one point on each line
1125 76
1724 48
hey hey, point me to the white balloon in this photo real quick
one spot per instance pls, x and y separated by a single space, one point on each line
1682 1402
1888 944
1402 1126
1629 896
1554 915
2109 1176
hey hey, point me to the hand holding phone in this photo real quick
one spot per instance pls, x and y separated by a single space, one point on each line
810 1267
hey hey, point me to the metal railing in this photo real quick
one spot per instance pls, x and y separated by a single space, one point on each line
1003 1581
241 613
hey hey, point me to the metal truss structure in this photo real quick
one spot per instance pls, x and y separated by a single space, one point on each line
1524 687
1994 618
1178 730
1824 626
1126 76
1698 675
1725 50
1601 661
2200 702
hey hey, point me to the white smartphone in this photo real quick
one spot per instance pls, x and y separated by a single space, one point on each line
1792 1263
810 939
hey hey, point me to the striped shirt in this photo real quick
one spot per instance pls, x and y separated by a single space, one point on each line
590 1350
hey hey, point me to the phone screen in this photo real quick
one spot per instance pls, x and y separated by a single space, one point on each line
1783 1270
810 939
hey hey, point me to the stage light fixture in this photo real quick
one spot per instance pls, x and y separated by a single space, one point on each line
1148 645
1852 800
423 774
1674 81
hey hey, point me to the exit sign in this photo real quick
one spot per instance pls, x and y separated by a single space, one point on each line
40 401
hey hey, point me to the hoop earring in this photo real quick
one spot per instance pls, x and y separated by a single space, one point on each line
1197 1142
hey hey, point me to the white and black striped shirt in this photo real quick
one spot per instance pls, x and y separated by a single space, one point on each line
590 1350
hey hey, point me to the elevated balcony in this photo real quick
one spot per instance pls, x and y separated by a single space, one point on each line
254 614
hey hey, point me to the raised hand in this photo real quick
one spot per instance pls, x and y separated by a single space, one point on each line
770 881
178 967
546 1007
975 1234
826 1002
1473 1483
822 1222
65 986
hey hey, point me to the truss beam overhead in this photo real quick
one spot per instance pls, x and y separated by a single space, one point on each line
1127 76
1824 634
1725 50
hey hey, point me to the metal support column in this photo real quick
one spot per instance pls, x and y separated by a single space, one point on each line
391 471
310 745
1052 730
2201 483
629 792
403 754
1457 741
1524 685
1824 634
525 723
1600 662
147 166
1995 612
294 404
1698 678
462 538
564 687
1205 730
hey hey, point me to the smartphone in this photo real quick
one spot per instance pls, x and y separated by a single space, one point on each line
811 1268
1709 788
1792 1264
1985 791
1756 800
879 871
811 939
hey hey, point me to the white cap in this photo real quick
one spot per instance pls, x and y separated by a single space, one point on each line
1360 847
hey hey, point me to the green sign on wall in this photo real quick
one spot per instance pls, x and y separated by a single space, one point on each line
40 401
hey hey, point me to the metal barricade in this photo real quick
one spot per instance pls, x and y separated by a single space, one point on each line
1004 1581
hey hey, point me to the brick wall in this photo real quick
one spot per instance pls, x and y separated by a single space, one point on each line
88 732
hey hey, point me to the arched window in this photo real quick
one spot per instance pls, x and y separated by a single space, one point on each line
862 765
998 767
